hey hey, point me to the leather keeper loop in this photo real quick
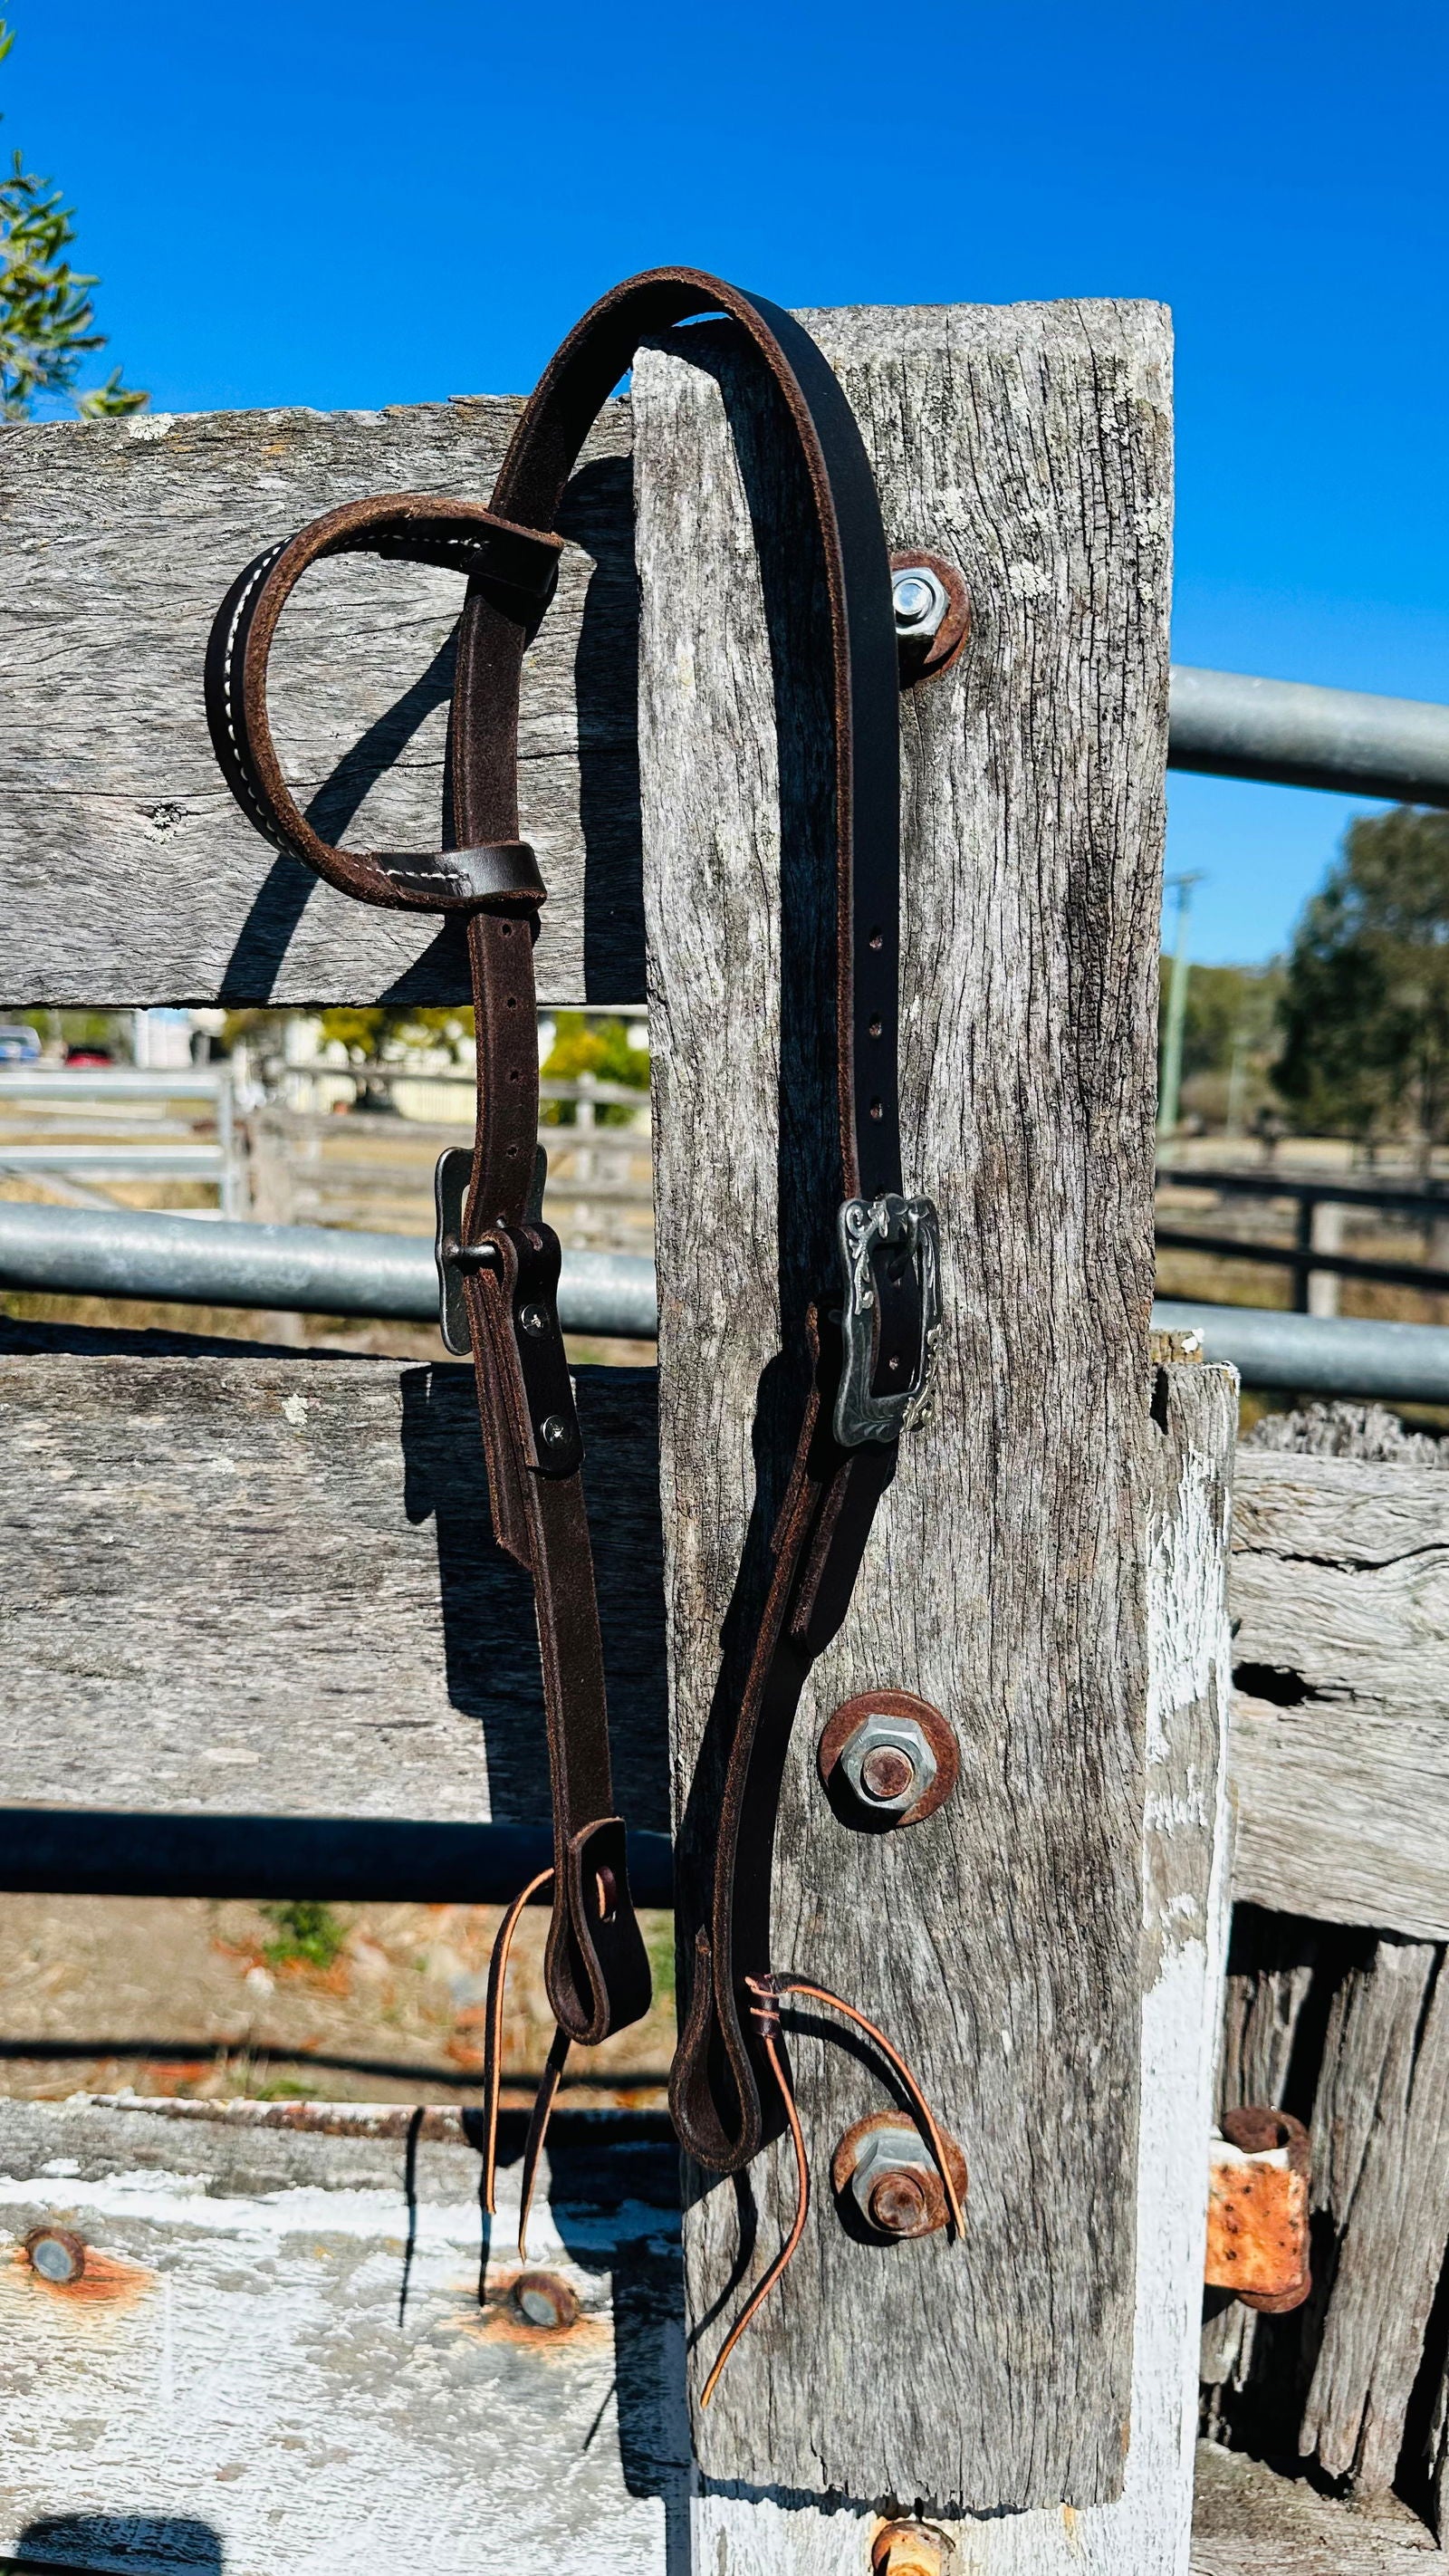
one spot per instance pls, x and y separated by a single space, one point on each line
514 568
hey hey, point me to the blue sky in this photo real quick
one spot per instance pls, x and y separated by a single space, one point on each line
306 201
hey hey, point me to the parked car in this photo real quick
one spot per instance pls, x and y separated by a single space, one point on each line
18 1043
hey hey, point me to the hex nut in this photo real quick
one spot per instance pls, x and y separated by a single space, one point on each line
884 2170
932 614
920 601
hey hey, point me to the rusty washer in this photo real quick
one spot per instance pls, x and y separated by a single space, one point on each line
887 1758
883 2168
57 2254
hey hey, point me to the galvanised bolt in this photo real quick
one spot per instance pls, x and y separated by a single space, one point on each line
909 2549
920 601
889 2181
888 1762
555 1431
533 1319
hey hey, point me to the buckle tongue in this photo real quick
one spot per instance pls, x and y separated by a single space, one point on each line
867 1228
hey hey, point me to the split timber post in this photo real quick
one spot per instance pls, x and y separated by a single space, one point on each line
1047 1566
1005 1576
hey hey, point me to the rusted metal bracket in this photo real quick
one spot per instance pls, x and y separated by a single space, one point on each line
1257 2242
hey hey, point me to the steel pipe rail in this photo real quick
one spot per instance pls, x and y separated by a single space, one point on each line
302 1269
315 1269
1293 735
1319 1354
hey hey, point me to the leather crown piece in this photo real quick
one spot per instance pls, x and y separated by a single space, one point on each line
499 1262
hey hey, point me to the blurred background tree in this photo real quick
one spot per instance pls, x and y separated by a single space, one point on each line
1364 1017
1228 1040
582 1044
47 319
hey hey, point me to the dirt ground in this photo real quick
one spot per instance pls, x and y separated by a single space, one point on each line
369 2003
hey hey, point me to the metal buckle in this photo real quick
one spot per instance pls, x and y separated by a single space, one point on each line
864 1227
450 1249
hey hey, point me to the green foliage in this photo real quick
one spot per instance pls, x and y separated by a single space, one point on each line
1365 1011
308 1933
47 319
583 1044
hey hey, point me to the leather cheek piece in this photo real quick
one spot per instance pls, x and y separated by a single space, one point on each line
516 568
596 1968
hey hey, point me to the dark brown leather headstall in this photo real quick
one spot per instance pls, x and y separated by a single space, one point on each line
871 1336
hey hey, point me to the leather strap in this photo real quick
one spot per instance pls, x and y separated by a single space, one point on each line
869 1370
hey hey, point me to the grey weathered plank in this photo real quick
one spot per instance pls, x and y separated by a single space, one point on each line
1343 1813
126 873
1184 1864
1252 2520
1004 1576
272 1583
1341 1579
1340 1596
278 2355
1381 2175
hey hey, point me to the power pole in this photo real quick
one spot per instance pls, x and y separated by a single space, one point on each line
1170 1082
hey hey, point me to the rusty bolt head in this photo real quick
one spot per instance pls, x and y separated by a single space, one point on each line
886 1773
896 2203
888 1762
544 2301
57 2254
891 2182
909 2549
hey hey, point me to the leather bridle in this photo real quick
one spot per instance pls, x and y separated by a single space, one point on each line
871 1341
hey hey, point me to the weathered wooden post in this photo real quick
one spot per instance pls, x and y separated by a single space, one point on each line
1046 1567
1006 1575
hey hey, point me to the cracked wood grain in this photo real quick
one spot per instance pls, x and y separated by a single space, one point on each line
1381 2178
1184 1914
1005 1577
1340 1595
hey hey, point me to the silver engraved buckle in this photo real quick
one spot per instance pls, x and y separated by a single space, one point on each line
871 1229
